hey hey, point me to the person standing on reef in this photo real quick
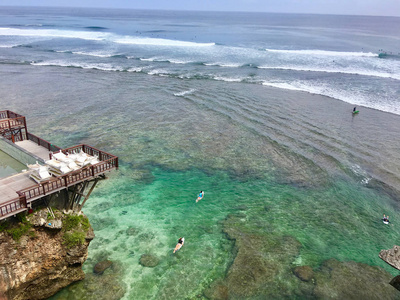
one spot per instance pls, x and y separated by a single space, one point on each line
201 195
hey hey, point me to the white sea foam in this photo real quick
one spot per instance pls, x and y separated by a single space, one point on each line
97 66
226 65
157 72
51 33
362 174
228 79
230 65
283 85
323 52
184 93
135 70
96 54
179 62
148 59
353 97
131 40
98 36
339 71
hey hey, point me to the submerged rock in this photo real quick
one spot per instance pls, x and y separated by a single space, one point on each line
351 280
305 273
100 267
257 266
131 231
149 260
395 282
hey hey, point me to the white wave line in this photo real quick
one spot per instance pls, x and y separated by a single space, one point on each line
352 72
323 52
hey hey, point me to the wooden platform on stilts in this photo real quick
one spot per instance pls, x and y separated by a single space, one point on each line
17 192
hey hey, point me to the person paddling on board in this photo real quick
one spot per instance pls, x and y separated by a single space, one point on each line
178 246
201 195
385 218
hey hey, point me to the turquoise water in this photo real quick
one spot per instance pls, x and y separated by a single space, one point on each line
295 189
336 222
291 177
298 188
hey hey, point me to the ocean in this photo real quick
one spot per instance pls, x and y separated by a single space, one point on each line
255 109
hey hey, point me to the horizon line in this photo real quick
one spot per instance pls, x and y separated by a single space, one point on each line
198 10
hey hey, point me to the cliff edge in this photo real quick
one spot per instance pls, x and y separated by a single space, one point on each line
42 253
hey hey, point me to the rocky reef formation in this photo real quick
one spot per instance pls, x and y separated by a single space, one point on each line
42 254
391 256
264 268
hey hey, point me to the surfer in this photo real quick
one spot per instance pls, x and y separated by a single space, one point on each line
354 109
201 195
178 246
385 218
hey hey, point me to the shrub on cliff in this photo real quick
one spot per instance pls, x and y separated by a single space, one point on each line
72 239
17 230
75 228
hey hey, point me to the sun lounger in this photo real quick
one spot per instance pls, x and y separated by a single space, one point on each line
60 156
40 174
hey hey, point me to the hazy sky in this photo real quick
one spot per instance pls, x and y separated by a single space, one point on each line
352 7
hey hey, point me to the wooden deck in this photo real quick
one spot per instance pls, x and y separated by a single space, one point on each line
17 191
9 186
35 149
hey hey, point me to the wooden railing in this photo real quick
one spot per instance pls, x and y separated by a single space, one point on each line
43 143
13 205
8 114
107 163
102 155
10 123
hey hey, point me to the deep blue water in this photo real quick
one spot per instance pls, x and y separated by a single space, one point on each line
336 56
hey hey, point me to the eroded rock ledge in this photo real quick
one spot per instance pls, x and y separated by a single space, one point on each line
43 260
391 256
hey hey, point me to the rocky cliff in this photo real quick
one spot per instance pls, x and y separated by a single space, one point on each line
42 254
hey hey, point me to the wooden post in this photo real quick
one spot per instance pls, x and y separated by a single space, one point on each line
26 129
88 194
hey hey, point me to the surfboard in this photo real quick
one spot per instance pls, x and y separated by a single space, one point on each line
356 112
386 222
199 198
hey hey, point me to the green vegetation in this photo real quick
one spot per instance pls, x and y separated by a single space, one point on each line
74 238
71 222
3 226
49 216
75 229
18 230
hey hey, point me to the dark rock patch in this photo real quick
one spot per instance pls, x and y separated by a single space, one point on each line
351 280
131 231
305 273
100 267
149 260
241 207
395 282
